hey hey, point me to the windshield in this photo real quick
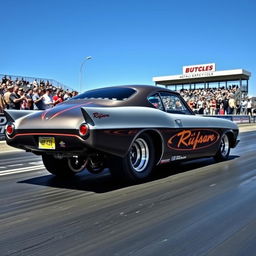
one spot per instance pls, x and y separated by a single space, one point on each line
114 93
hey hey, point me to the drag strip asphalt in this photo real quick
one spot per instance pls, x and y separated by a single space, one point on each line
195 208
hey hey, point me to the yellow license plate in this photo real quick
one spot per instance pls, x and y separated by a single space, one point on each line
46 143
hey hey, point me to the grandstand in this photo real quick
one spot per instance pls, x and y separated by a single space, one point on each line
205 76
30 80
208 91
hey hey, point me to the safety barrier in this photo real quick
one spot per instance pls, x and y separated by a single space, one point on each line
239 119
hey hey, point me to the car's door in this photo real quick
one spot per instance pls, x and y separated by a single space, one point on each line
189 136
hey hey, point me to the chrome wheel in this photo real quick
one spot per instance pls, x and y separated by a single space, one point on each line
139 155
137 165
224 146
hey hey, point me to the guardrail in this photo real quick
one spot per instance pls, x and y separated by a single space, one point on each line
239 119
31 79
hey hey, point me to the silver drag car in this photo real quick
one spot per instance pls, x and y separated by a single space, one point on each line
128 129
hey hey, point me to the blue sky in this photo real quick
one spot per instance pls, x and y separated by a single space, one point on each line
130 41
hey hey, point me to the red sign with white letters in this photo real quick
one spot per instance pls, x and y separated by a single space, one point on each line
198 68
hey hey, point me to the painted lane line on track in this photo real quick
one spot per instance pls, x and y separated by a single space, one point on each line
36 163
13 165
7 163
11 151
21 170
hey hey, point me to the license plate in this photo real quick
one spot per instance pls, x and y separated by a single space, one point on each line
46 143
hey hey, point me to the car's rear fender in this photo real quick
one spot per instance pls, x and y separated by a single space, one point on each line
12 115
126 117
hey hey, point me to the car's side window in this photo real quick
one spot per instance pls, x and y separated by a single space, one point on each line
173 103
156 101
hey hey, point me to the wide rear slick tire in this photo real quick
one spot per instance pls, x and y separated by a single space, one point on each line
57 167
224 149
138 164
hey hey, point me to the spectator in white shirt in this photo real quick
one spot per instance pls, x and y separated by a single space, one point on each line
244 107
47 100
249 107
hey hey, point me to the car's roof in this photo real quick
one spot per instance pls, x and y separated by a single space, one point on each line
138 98
140 87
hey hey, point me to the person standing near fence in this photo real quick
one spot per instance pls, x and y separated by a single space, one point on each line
249 107
231 105
243 107
225 105
212 106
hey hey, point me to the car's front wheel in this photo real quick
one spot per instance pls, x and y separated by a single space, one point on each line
64 167
138 164
224 149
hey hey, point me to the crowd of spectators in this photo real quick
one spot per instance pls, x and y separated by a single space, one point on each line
41 95
38 95
217 101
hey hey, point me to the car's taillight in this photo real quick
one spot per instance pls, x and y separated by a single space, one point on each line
83 129
9 129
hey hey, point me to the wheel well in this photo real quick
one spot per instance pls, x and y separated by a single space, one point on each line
231 138
158 144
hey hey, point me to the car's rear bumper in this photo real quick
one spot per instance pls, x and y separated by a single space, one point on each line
64 142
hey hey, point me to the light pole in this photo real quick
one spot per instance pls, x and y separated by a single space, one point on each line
81 70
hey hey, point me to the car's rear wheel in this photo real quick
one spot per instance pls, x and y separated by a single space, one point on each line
64 167
224 149
138 164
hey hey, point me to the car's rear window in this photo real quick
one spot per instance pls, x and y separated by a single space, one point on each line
107 93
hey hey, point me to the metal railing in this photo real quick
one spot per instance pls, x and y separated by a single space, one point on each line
31 79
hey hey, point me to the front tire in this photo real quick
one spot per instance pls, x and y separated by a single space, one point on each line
138 164
65 167
224 149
